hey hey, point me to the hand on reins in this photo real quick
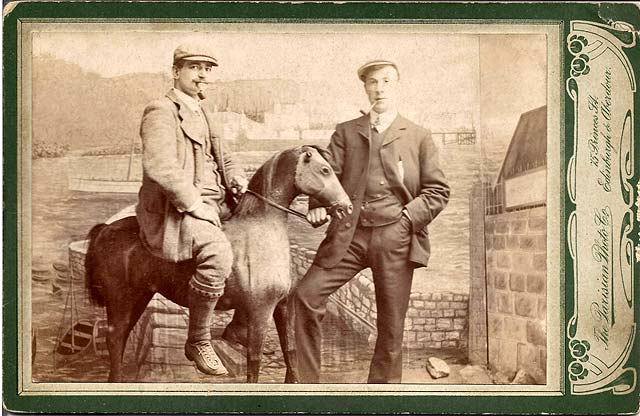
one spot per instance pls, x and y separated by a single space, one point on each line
207 213
238 185
318 216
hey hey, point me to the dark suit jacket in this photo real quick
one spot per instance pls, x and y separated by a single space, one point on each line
410 163
173 162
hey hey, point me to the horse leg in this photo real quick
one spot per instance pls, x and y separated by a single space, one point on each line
236 331
284 318
258 321
122 318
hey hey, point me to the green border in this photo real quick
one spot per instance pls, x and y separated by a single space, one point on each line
389 12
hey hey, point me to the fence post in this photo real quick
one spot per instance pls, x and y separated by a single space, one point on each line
477 317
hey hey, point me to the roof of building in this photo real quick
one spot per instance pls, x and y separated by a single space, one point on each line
528 147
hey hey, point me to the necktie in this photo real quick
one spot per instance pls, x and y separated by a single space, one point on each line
375 124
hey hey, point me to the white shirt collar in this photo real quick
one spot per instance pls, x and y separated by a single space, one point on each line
192 103
385 119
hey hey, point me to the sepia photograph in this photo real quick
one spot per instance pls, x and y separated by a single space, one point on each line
335 205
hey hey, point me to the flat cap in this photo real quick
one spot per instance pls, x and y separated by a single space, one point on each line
194 52
364 69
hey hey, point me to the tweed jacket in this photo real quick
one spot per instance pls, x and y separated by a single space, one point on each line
410 163
173 161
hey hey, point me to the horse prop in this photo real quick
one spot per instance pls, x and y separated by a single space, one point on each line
123 276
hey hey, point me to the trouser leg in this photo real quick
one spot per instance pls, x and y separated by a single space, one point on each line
392 275
214 258
310 300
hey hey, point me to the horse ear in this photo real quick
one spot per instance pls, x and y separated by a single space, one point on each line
323 152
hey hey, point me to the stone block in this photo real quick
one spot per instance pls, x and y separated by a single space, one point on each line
515 328
505 302
418 303
495 326
501 227
434 344
518 227
542 309
447 297
459 298
463 312
537 283
541 242
436 296
423 337
492 304
459 323
517 282
449 344
540 262
508 355
513 242
490 258
497 242
537 223
448 313
444 323
429 305
452 335
527 242
528 357
536 333
522 261
500 279
504 260
459 305
526 305
489 226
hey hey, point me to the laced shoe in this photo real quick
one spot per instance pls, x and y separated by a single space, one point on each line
205 357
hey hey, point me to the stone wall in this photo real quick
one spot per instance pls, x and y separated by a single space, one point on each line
516 291
434 320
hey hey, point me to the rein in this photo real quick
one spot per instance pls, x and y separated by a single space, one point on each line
276 205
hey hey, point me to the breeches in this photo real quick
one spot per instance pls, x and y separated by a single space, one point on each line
213 256
386 250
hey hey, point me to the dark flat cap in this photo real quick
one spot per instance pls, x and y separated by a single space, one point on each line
364 69
194 52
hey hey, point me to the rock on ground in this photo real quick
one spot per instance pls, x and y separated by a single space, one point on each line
522 377
437 368
475 374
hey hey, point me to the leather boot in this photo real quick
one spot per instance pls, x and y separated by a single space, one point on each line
198 347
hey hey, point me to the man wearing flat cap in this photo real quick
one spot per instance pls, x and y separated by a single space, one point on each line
187 183
389 167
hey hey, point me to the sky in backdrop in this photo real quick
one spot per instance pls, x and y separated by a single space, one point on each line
440 73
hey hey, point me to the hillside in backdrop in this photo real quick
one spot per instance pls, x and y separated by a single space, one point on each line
82 109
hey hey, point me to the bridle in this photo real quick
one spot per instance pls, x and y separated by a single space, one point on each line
276 205
288 210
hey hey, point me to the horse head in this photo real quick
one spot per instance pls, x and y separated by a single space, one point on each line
315 177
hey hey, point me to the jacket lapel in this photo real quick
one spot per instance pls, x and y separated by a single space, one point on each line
395 130
190 122
364 127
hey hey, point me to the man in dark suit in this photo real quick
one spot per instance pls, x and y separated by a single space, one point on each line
389 167
187 177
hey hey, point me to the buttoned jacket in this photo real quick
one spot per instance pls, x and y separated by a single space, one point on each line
410 162
173 140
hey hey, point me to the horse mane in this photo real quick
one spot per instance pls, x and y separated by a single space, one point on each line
262 182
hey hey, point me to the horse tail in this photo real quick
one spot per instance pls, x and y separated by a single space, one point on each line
90 264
